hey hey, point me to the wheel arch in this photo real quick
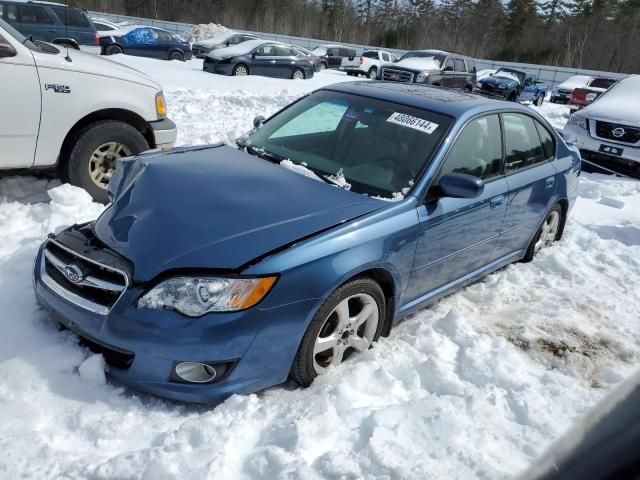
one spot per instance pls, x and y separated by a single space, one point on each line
125 116
564 205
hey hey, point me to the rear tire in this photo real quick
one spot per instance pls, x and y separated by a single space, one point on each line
549 232
240 70
113 50
298 74
323 66
176 56
332 337
96 149
373 73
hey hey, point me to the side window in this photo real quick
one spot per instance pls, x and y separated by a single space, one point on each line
265 51
471 66
284 52
333 51
523 147
164 37
34 14
449 64
385 57
548 144
72 17
478 150
460 67
10 13
331 112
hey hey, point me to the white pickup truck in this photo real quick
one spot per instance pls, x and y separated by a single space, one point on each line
370 62
74 111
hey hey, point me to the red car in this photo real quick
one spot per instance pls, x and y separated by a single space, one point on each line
581 97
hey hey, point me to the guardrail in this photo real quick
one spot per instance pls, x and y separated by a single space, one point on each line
545 73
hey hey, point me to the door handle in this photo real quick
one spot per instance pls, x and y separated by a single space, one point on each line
272 61
549 182
495 202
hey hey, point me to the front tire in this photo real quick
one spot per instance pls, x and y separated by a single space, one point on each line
240 70
348 321
113 50
549 232
539 101
95 152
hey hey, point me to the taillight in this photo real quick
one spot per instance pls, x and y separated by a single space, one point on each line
97 38
361 60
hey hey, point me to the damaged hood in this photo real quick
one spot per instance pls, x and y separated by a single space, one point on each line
215 208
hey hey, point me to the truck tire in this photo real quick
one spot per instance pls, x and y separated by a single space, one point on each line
94 154
373 73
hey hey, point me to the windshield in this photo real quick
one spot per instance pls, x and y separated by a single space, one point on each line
510 74
369 146
434 57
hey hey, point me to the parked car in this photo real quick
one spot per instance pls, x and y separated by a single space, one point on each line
581 97
78 116
562 92
401 194
608 130
104 25
315 60
333 56
203 47
259 57
433 67
48 21
513 85
370 62
142 41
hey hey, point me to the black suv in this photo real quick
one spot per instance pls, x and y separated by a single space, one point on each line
433 67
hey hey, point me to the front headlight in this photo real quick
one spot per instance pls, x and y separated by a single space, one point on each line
578 121
161 106
195 296
422 76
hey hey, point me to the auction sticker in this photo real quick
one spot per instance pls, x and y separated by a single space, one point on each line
412 122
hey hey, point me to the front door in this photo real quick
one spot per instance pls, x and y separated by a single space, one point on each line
20 107
457 235
264 60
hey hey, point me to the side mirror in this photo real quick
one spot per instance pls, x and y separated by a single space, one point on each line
448 68
7 50
259 120
461 185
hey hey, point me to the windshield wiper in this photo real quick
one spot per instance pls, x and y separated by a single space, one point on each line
258 152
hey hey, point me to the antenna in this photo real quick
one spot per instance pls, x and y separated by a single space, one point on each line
66 31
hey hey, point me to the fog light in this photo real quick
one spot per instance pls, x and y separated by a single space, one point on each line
194 372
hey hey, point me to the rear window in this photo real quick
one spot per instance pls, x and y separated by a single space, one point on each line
370 55
71 17
602 82
9 13
34 14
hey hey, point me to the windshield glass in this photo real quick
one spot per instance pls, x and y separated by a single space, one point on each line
377 148
510 74
434 57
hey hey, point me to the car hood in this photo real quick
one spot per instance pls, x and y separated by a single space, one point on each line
90 64
497 81
215 207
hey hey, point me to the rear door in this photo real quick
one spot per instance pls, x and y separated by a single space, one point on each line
457 235
19 106
165 44
35 20
285 62
448 74
531 178
75 24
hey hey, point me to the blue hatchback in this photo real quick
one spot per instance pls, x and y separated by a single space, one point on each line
145 42
218 270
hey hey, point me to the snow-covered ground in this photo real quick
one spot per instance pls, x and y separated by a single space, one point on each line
474 387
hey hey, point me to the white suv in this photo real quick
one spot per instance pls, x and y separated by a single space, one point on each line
76 111
608 130
369 63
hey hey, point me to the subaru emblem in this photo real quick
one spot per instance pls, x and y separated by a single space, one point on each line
618 132
73 273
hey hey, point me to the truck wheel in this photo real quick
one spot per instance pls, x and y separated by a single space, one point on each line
96 149
540 100
113 50
373 73
176 56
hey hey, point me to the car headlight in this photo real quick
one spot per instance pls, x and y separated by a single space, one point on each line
422 76
578 121
161 106
195 296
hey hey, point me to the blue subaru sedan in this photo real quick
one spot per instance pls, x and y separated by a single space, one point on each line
144 41
219 270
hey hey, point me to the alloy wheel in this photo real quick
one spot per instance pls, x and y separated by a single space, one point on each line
549 231
373 74
350 327
298 75
241 71
103 162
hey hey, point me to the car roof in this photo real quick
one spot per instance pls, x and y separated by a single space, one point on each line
426 97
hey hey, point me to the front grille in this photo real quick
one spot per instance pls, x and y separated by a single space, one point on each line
393 75
606 129
81 280
564 92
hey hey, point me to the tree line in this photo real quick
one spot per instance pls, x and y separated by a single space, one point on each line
593 34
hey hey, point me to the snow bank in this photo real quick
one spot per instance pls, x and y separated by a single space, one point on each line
208 32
